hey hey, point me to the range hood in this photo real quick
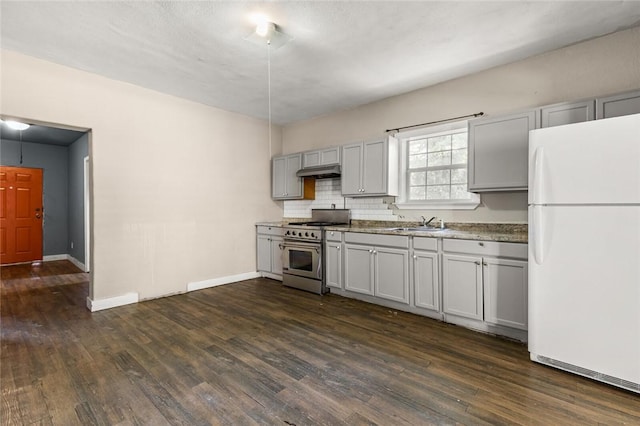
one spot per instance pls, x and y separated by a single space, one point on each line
320 172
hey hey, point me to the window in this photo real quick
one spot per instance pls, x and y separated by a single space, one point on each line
435 169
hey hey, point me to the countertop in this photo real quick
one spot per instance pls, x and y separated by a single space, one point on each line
509 233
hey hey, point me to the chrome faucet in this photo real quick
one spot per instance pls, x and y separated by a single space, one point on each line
426 222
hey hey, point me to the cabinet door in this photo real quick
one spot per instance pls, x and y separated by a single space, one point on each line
615 106
264 253
310 159
425 280
278 178
358 268
505 292
330 156
352 169
333 265
391 274
374 168
568 113
462 286
498 152
276 255
293 182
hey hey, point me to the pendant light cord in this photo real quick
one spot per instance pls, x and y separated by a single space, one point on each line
269 89
20 147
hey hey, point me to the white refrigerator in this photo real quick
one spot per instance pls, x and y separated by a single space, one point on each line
584 249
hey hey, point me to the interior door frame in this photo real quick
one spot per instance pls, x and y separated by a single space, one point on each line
87 216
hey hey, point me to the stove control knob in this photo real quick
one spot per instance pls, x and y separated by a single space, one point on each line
293 232
306 234
313 235
287 233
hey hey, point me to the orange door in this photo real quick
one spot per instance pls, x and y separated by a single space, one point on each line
20 214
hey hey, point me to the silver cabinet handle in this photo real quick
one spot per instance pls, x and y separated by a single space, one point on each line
415 257
370 250
338 247
481 244
477 263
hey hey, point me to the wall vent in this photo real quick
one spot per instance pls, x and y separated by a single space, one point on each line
615 381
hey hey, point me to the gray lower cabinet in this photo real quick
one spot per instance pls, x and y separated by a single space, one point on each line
568 113
333 259
377 265
358 268
486 281
269 251
505 292
426 275
499 150
462 286
618 105
285 185
391 274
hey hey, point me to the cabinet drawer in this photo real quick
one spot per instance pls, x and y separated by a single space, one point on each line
399 241
486 248
270 230
423 243
333 236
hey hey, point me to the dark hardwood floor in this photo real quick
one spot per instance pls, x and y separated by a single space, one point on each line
258 353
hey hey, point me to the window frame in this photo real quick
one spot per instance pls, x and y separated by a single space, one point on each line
402 201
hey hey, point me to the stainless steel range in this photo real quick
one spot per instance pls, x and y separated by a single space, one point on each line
303 254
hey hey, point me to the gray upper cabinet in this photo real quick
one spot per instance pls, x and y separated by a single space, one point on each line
498 152
370 168
285 184
617 105
321 157
568 113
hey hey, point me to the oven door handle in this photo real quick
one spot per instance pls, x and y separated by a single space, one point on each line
319 271
302 246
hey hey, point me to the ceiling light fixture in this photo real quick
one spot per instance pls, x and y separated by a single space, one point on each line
16 125
265 29
267 32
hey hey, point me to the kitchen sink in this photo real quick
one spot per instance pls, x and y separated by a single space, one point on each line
416 229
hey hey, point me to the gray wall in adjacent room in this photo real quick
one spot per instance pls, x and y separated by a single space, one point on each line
77 151
54 162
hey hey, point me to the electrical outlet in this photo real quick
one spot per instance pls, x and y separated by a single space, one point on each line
71 244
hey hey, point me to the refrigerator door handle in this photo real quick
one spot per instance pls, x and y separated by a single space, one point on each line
537 232
537 180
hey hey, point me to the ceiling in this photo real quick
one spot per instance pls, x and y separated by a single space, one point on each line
41 134
343 53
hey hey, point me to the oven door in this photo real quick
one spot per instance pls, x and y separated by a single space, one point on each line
302 259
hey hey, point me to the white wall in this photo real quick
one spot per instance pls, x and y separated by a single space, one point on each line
177 186
602 66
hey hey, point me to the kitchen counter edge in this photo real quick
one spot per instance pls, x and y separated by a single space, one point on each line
484 235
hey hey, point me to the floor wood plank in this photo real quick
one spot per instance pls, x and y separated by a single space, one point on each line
256 352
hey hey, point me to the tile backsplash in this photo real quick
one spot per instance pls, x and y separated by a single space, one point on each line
328 195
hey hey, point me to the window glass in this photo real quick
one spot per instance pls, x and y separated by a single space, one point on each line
437 167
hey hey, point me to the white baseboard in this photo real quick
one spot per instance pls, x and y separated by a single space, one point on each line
68 257
199 285
77 263
54 257
111 302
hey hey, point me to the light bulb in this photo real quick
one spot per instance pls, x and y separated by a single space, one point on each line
263 29
16 125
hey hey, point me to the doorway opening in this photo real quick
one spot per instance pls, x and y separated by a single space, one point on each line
62 152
